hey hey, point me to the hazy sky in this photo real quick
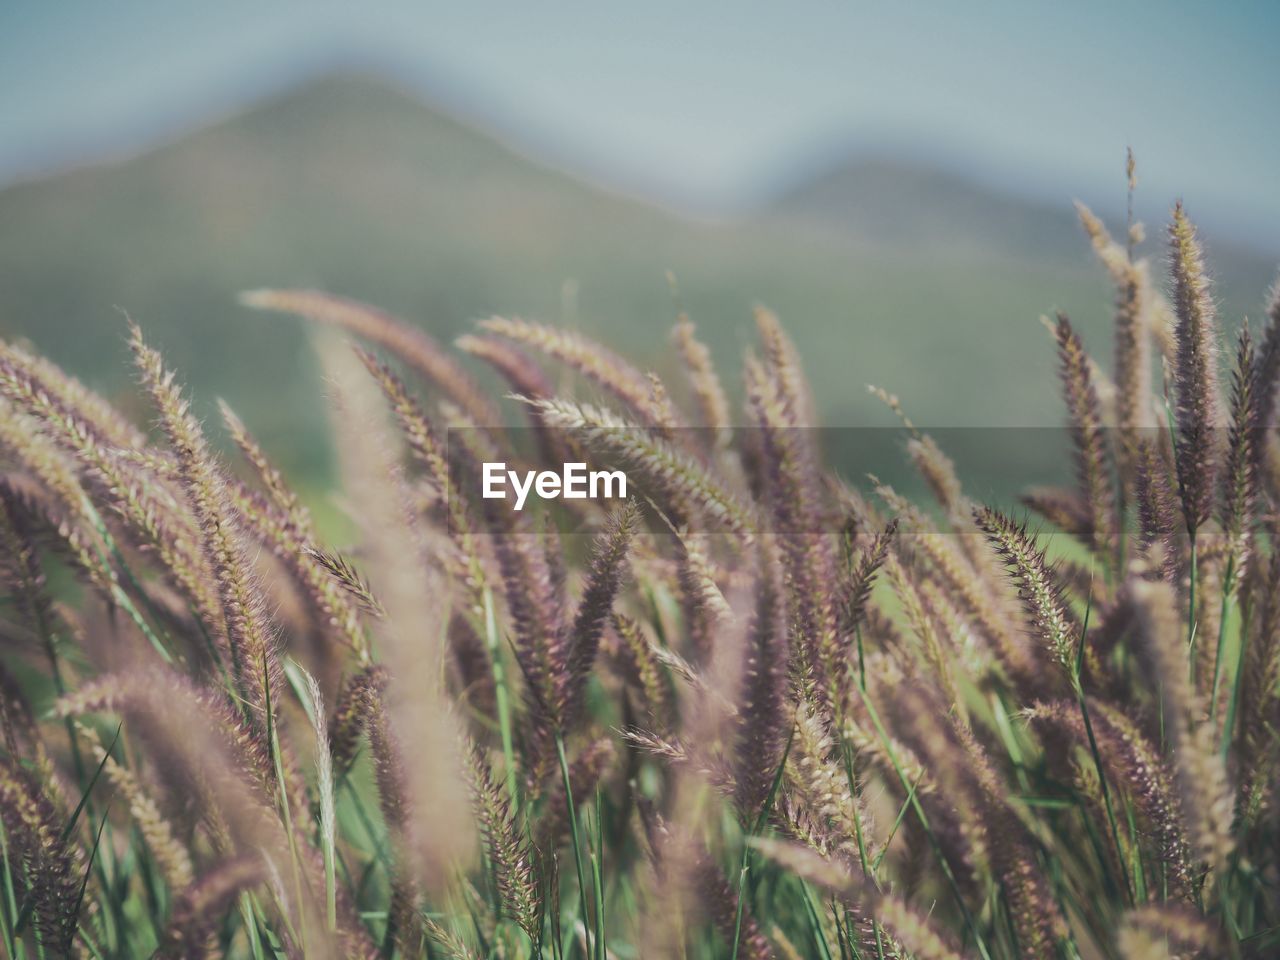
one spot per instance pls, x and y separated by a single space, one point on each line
706 104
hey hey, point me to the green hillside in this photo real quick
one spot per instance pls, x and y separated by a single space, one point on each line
897 276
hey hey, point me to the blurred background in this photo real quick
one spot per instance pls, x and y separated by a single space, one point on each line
895 180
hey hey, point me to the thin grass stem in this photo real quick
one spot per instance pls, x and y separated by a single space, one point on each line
574 834
501 696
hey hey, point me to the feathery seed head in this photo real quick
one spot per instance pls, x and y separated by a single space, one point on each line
1084 418
1196 372
1038 588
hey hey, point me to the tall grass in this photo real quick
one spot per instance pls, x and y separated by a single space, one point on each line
756 711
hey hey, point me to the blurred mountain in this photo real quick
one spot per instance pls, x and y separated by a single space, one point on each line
893 202
901 203
884 273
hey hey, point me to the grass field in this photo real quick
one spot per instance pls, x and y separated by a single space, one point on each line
752 711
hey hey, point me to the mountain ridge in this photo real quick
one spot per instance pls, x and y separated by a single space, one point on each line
808 171
360 189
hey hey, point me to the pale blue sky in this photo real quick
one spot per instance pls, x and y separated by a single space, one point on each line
706 105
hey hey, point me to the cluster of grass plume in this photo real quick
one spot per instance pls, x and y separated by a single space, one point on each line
757 711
